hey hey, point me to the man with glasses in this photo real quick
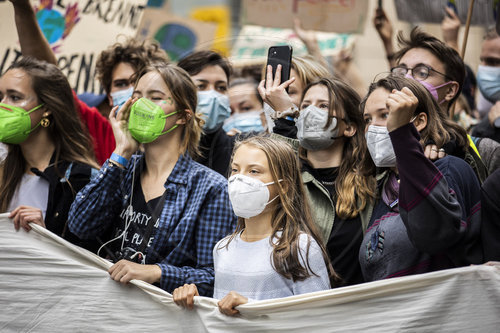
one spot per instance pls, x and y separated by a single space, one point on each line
434 64
441 70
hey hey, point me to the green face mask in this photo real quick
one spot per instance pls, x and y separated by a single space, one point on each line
15 123
147 121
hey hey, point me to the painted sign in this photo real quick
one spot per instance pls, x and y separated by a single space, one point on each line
253 43
177 36
77 32
221 17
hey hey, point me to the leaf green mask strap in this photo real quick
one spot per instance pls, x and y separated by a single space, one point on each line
34 109
173 127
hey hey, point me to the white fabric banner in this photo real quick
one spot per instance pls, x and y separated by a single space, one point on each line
49 285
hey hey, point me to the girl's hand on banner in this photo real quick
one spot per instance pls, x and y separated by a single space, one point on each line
23 215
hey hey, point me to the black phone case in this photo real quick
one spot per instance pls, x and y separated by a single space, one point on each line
280 55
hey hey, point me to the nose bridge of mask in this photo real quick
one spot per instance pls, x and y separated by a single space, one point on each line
315 119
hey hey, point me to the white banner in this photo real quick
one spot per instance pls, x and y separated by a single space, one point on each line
49 285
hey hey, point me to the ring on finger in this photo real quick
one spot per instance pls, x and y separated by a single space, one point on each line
434 149
441 150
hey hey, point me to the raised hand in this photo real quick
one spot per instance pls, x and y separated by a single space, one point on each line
401 105
450 26
273 92
126 145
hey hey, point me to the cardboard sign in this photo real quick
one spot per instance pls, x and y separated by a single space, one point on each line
77 32
177 36
253 43
340 16
432 11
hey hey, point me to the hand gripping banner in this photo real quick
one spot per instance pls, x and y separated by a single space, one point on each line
49 285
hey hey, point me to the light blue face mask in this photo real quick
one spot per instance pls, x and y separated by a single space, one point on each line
215 109
245 122
120 97
488 80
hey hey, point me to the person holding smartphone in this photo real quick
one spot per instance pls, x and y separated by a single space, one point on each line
330 141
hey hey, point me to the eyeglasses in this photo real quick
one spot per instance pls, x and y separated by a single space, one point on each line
419 72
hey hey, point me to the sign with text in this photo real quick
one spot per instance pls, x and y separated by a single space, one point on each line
340 16
77 32
253 42
176 35
432 11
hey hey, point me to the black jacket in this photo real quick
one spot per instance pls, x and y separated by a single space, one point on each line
65 180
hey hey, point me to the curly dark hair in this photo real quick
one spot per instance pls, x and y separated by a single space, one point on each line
137 54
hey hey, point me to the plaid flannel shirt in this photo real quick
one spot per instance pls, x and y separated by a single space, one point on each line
196 214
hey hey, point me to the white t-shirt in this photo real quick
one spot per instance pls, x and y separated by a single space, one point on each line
33 191
245 267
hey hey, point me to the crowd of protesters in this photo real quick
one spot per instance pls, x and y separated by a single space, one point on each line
205 179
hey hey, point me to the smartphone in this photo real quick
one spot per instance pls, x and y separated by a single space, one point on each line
280 55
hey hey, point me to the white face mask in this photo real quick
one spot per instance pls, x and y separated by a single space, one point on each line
380 146
249 196
311 130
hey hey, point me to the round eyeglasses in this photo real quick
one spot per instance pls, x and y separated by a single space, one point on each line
419 72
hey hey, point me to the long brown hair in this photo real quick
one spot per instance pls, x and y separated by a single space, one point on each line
292 214
437 123
355 185
71 140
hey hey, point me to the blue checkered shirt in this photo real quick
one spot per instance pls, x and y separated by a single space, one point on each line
196 214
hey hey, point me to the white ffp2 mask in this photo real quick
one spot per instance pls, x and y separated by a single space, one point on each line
249 196
380 146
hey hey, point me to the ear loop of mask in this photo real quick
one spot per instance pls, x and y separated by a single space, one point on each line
171 128
30 111
270 183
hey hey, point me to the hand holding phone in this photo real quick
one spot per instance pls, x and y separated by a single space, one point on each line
273 92
280 55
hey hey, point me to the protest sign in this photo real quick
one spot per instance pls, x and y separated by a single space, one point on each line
77 32
341 16
221 17
432 11
253 42
176 35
